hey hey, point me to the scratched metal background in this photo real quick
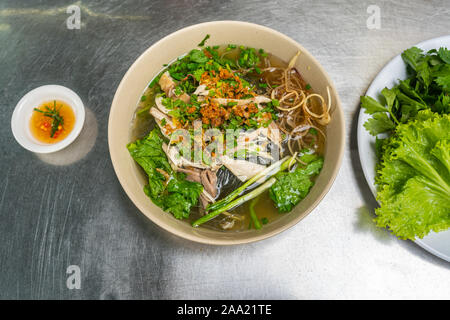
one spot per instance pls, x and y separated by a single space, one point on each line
69 209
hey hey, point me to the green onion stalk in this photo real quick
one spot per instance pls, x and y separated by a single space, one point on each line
230 201
267 172
253 194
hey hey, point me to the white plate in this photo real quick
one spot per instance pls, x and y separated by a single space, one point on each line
436 243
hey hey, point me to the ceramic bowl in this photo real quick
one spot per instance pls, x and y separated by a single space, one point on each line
178 43
20 120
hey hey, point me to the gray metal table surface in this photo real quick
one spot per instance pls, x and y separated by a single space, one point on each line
68 209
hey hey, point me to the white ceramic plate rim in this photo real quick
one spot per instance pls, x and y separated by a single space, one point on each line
388 77
22 114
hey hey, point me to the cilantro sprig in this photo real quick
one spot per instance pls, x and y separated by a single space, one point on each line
428 87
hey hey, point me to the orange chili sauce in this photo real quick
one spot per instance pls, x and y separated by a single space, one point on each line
41 126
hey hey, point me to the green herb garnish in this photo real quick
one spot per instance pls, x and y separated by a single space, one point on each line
166 188
201 44
313 131
413 169
428 87
52 113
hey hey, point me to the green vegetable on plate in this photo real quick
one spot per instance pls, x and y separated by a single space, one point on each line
414 177
428 87
413 169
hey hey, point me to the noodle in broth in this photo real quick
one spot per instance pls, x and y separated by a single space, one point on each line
302 116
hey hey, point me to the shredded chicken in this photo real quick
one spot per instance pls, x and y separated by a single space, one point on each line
168 127
205 177
242 169
227 223
201 90
166 83
209 182
168 86
161 107
192 174
173 154
258 100
204 201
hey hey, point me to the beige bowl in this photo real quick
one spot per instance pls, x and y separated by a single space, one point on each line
169 48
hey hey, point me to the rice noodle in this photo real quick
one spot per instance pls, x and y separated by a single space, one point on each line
301 110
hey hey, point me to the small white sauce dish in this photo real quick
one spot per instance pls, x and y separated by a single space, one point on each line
20 121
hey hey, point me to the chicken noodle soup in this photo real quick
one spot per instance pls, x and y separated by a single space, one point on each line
230 137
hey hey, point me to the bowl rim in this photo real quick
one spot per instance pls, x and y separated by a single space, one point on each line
225 242
18 125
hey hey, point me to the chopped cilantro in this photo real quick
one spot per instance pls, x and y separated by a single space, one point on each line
202 43
313 131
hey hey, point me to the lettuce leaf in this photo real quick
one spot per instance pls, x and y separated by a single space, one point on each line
167 189
292 187
148 153
413 177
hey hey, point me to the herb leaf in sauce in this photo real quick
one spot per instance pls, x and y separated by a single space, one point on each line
53 113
